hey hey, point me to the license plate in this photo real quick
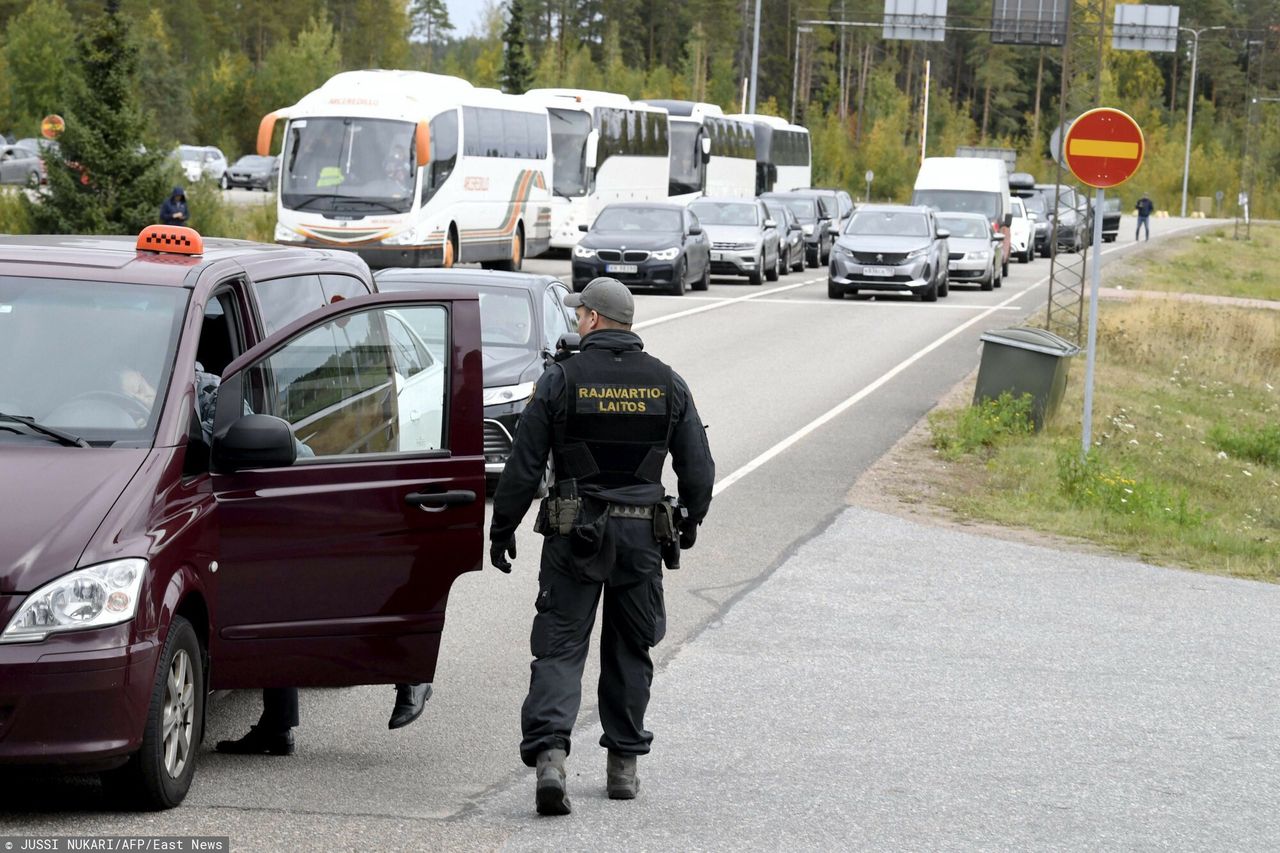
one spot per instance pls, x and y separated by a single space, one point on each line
621 268
880 272
717 256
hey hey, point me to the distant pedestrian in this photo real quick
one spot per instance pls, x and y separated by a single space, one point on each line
174 210
1144 208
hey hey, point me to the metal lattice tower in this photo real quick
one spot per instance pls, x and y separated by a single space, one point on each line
1082 58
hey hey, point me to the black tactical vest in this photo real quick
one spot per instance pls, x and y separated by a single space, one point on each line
618 418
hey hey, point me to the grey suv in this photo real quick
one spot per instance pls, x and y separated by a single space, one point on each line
891 247
744 238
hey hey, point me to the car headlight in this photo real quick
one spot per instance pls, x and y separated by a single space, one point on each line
285 234
87 598
581 251
507 393
807 229
918 253
666 254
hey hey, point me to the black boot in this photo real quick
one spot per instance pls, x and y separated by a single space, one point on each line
259 741
550 795
410 700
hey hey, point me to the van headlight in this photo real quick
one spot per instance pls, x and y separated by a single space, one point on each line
508 393
87 598
666 254
581 251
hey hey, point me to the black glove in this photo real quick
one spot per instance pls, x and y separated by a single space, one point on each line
688 534
498 554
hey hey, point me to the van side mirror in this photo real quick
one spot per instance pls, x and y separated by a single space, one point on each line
943 233
592 148
582 227
769 223
254 441
1008 220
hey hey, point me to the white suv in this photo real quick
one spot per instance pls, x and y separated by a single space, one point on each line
203 161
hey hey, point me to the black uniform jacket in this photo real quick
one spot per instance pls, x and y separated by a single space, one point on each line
690 454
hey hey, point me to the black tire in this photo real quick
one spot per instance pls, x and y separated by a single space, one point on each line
223 183
148 781
756 277
784 261
677 284
516 261
834 291
946 285
33 180
704 281
810 258
989 282
930 294
797 262
826 256
1004 267
774 271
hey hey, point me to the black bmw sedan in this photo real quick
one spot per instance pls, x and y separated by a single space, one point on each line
522 320
645 245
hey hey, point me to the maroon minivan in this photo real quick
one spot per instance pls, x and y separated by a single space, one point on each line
164 532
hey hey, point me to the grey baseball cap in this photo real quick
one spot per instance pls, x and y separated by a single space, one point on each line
608 297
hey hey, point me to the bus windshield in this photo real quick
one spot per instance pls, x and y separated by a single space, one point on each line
349 164
569 131
686 157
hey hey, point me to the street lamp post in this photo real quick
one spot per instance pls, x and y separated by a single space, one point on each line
755 57
795 74
1191 105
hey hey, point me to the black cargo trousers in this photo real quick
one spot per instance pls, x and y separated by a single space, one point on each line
635 620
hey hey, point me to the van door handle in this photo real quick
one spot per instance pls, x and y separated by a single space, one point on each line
429 500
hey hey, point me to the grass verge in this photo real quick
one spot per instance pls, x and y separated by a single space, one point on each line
1185 468
1210 263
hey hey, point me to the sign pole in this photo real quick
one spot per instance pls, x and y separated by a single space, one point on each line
1095 279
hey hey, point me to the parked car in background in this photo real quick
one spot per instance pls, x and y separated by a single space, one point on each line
789 232
19 165
307 532
890 247
645 244
1037 208
837 200
973 250
203 162
253 172
745 240
1070 221
1022 232
40 145
1110 218
816 215
523 319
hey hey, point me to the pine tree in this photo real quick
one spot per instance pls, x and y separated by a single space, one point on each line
103 181
430 21
517 68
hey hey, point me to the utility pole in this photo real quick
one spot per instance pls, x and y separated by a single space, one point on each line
755 58
1191 106
795 74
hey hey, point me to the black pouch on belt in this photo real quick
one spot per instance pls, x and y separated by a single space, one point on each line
591 543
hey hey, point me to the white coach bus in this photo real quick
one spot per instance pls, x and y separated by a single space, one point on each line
413 169
605 148
782 154
711 154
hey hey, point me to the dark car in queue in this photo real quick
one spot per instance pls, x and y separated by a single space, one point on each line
254 172
20 165
1038 212
816 216
650 245
744 238
789 232
523 319
297 522
839 201
893 248
974 250
1070 221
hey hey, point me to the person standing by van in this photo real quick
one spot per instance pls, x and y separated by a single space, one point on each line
1144 208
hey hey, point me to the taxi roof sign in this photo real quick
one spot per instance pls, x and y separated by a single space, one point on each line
1103 147
171 240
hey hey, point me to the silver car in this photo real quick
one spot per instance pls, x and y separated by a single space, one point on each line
19 165
790 233
973 250
744 238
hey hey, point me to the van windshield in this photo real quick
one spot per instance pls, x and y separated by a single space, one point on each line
87 357
961 201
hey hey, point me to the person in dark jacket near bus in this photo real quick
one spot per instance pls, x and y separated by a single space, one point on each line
607 417
174 210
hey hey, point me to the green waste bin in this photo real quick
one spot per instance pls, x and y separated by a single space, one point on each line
1024 360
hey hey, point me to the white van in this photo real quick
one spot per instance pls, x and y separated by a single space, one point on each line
967 185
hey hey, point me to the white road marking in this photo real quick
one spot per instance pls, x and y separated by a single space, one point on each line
866 391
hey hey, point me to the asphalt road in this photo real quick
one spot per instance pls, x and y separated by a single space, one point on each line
831 678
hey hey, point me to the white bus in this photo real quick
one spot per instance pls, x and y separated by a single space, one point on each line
606 148
782 154
413 169
710 154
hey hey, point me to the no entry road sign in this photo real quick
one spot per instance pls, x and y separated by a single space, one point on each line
1104 147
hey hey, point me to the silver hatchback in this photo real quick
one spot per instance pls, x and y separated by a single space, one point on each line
745 240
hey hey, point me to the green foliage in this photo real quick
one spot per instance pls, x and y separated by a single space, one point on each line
15 213
1261 445
165 96
1089 482
39 65
517 68
106 182
981 426
214 217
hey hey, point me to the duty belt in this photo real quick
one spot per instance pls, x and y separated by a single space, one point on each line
628 511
